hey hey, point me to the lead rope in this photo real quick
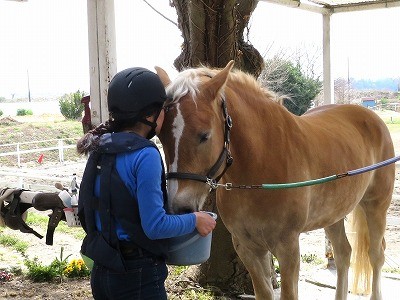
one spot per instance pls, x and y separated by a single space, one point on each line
274 186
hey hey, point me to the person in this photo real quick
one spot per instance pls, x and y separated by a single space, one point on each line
123 199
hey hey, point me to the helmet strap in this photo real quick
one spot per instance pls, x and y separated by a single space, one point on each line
153 125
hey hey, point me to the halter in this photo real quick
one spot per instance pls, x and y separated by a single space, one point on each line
225 156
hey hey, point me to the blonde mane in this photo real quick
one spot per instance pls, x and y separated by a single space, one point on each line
187 83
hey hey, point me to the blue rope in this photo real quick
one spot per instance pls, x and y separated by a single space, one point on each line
374 166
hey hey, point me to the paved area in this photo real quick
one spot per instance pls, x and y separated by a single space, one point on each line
319 284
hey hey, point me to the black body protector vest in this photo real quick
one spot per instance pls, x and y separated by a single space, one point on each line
115 203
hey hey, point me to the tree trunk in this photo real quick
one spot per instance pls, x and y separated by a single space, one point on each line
223 270
213 34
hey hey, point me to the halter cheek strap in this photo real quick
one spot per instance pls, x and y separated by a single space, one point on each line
225 156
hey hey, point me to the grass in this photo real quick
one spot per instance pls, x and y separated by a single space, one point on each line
394 270
14 243
43 128
41 221
312 259
178 270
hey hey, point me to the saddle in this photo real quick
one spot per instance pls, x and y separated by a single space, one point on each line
13 211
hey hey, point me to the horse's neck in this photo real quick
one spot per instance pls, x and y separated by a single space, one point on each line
261 115
261 125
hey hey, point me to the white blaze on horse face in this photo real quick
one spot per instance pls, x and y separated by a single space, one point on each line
177 130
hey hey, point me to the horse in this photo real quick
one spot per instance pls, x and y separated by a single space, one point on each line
223 130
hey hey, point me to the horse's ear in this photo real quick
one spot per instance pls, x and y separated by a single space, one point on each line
217 83
163 76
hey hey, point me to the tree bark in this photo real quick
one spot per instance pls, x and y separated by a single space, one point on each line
224 270
213 34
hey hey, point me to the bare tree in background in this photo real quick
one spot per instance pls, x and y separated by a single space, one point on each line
341 90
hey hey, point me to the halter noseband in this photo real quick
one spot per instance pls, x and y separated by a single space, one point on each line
224 156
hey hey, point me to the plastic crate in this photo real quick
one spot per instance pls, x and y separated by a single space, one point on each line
71 214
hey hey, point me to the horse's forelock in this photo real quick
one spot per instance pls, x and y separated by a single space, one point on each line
186 83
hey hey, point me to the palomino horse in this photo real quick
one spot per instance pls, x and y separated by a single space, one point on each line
271 145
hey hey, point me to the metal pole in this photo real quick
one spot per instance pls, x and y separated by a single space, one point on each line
29 89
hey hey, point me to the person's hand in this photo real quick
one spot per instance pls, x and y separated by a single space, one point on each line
204 223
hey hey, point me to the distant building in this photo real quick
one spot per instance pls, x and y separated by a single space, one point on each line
368 102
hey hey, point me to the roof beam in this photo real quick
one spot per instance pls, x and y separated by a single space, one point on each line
335 8
300 5
361 6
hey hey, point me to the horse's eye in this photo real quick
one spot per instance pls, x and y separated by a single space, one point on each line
203 137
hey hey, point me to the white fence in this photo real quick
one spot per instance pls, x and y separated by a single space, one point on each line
58 145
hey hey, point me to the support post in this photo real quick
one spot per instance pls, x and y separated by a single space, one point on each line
326 40
102 55
18 156
61 151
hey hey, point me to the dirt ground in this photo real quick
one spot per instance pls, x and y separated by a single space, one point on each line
21 288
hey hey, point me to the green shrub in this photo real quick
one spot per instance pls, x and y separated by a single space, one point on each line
24 112
70 105
41 273
288 78
1 112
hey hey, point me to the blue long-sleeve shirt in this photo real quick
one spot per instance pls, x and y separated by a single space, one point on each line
141 171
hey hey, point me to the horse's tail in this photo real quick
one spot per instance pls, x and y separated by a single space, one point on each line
360 264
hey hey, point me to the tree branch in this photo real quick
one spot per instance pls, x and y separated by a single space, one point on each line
160 13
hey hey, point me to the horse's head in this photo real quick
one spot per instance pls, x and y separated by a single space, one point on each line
194 135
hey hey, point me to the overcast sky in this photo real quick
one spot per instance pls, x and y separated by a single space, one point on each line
48 40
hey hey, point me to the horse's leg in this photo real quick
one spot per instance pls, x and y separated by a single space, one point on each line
376 220
257 262
287 251
342 250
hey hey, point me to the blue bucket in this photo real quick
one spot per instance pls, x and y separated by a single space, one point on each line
190 249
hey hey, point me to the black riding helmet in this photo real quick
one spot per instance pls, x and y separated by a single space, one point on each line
132 93
133 90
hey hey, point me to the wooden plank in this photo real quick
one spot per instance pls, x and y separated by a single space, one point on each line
102 55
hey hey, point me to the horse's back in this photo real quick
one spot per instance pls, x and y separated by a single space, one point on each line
351 121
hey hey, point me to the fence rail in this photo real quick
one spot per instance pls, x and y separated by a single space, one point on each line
58 145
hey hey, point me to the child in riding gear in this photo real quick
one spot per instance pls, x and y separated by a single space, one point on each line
123 199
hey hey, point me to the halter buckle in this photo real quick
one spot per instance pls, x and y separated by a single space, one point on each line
212 183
